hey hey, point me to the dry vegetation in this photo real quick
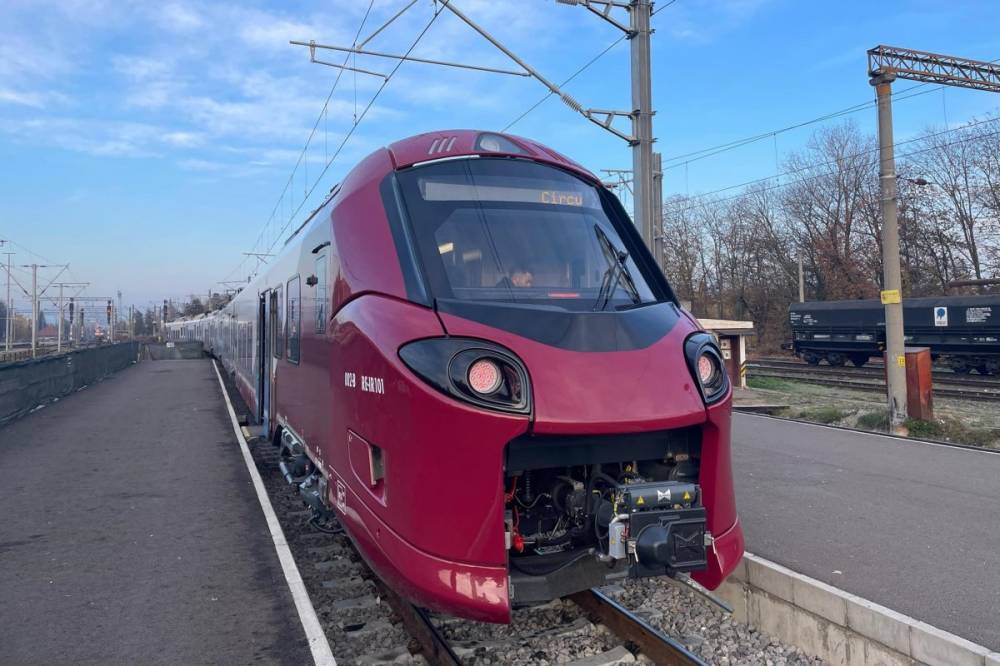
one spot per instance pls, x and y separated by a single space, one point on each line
735 256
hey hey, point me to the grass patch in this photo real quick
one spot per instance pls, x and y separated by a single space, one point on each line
877 421
770 383
822 414
952 430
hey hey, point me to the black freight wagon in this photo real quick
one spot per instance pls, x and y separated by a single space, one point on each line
962 331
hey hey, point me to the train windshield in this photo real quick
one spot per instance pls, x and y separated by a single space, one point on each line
512 230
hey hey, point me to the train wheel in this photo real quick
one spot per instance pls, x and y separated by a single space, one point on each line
959 365
982 369
811 359
835 359
993 366
859 360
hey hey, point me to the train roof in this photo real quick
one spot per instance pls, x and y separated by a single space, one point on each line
874 304
443 144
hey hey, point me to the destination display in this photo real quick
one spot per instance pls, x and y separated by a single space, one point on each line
433 189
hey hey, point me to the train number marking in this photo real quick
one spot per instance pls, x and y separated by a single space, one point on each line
372 384
368 384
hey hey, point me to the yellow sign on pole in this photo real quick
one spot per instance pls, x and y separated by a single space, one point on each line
901 361
890 296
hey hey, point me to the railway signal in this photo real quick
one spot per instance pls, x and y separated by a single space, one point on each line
885 65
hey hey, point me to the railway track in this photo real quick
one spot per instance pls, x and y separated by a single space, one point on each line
635 622
947 384
368 623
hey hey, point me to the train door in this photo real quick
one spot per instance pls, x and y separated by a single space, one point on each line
264 364
275 344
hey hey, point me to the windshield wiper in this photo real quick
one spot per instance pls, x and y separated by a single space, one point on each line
617 271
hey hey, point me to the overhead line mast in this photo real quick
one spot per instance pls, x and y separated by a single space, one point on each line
885 65
647 200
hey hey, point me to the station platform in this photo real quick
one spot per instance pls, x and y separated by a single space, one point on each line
907 524
131 532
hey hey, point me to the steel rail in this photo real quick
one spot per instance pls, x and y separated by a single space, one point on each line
876 370
418 624
625 624
829 379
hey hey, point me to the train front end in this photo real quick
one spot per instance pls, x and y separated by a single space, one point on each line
568 424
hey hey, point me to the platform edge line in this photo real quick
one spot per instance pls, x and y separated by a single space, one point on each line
316 637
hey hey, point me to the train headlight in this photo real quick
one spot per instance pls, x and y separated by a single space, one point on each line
484 377
706 369
705 363
474 371
497 143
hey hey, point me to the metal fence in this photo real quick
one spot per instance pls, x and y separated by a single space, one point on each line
27 384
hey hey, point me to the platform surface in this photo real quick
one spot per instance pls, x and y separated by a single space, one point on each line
908 525
131 533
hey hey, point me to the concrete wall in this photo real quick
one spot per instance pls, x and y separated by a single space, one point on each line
26 384
840 628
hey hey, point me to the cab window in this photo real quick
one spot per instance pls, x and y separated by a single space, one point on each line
512 230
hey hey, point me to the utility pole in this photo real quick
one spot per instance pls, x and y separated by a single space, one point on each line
892 281
59 335
34 310
656 244
802 280
642 119
885 65
9 320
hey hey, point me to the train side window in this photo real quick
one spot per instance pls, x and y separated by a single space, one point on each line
277 338
321 293
294 318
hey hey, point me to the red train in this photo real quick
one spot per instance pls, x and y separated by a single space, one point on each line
469 356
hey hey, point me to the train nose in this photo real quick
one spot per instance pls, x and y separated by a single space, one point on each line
621 387
648 389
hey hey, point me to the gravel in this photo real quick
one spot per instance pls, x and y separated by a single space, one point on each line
362 630
704 628
559 632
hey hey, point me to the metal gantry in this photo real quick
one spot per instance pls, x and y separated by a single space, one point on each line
885 65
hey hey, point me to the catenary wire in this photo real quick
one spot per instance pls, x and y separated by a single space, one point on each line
676 211
354 126
579 71
302 153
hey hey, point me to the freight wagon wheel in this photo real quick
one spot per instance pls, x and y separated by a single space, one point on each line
811 359
959 365
859 360
835 359
993 366
982 369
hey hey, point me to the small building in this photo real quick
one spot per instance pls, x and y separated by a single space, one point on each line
732 337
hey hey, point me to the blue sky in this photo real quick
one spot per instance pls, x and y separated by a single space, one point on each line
147 143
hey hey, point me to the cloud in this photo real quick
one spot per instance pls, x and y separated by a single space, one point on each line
179 18
99 138
23 98
202 165
704 21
